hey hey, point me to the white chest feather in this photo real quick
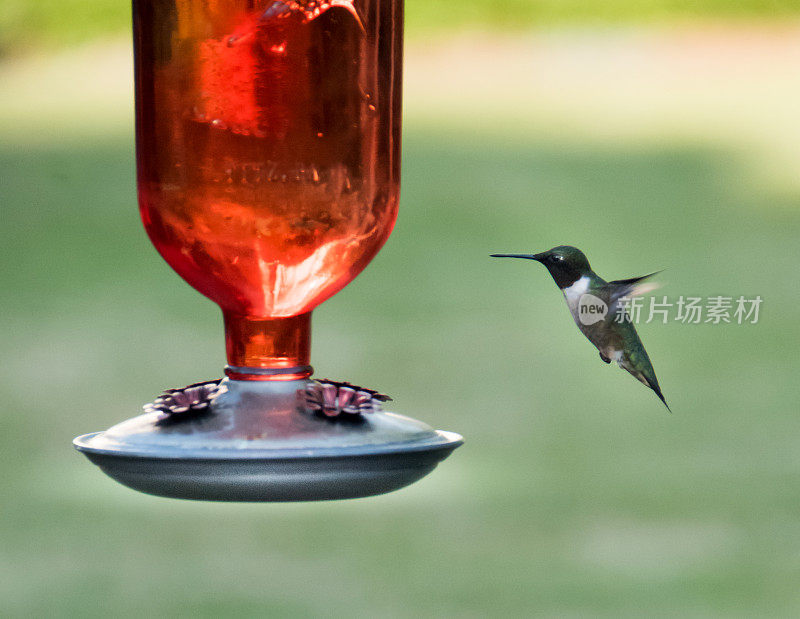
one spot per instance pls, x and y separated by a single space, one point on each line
573 293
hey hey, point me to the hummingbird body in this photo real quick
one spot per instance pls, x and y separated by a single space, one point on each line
583 290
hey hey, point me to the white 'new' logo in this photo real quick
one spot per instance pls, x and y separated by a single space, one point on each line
591 309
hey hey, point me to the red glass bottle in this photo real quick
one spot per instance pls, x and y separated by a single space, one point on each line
268 156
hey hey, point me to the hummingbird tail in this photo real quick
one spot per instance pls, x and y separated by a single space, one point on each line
661 397
657 389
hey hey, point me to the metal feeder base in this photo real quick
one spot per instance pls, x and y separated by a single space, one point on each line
255 445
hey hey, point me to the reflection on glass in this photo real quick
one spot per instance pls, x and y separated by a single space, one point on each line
268 141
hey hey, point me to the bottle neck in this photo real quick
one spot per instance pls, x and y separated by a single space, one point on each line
268 348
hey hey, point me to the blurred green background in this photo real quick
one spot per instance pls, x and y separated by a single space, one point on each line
650 134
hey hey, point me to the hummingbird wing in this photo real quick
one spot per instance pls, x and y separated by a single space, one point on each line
626 288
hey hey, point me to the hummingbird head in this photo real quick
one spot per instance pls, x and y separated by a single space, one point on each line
566 264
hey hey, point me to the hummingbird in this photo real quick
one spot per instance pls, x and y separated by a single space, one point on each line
596 308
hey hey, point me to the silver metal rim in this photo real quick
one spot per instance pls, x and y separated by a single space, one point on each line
444 441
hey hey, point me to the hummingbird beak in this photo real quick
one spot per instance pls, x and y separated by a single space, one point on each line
536 257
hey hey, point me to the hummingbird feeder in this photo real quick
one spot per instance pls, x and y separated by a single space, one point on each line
268 164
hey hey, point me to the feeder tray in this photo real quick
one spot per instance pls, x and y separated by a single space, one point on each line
256 442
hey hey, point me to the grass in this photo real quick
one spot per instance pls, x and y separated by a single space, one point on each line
576 493
25 26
